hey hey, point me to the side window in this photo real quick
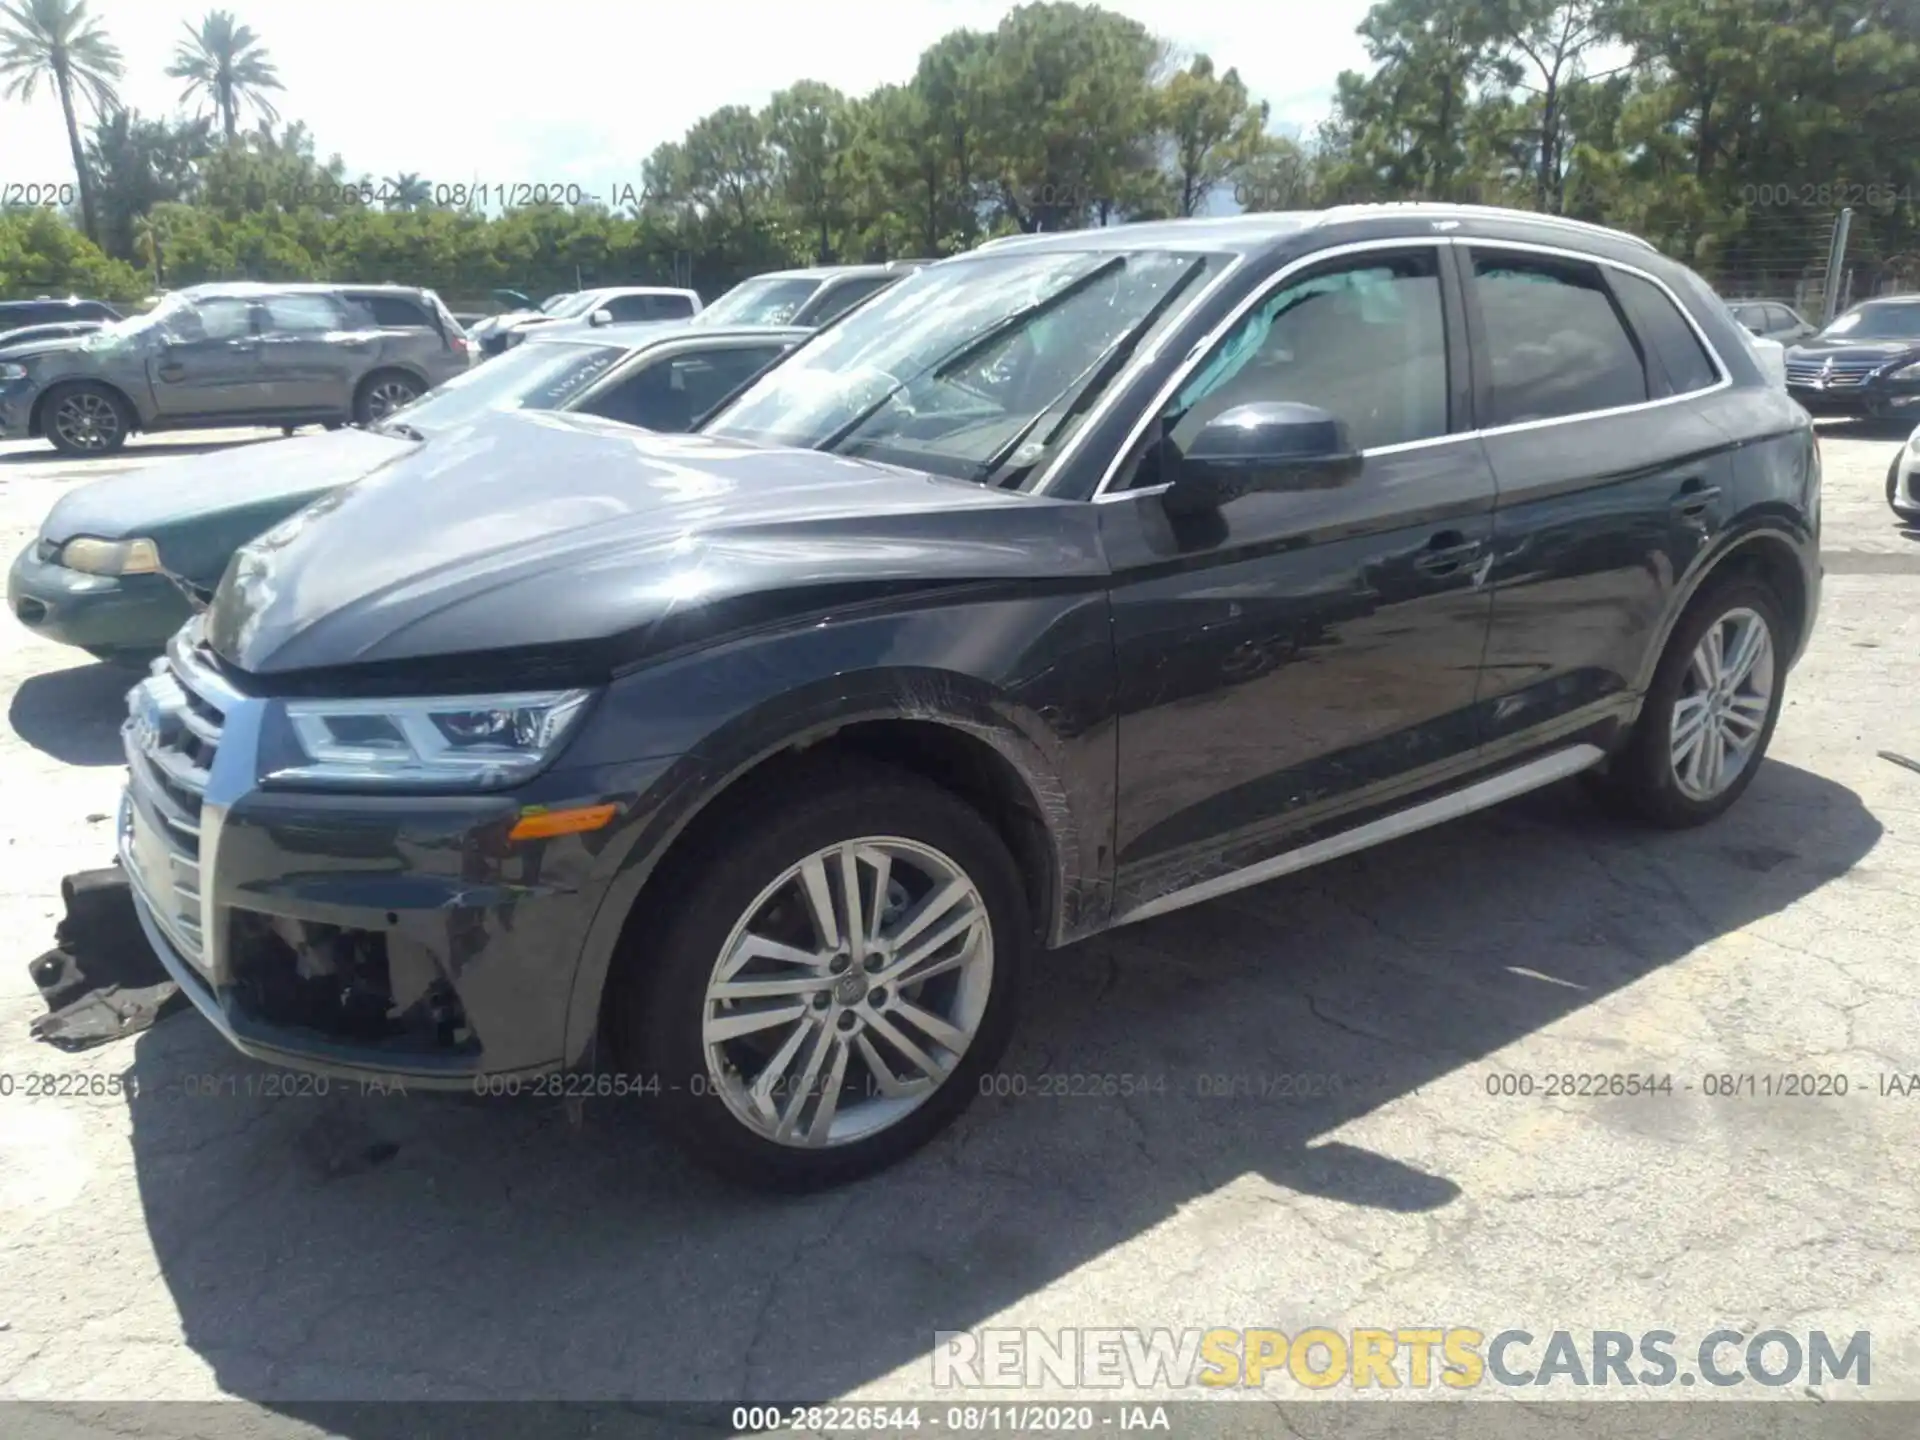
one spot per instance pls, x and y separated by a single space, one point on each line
671 395
839 299
1364 340
1664 330
637 307
666 307
393 312
1554 344
92 310
302 315
224 318
711 376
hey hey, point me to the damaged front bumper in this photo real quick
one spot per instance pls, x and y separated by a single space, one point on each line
399 938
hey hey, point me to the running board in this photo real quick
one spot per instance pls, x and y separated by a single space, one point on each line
1492 791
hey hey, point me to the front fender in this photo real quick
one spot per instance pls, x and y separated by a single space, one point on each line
1030 678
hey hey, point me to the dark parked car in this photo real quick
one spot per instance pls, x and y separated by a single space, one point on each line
1771 320
115 562
243 354
810 298
1866 363
1066 583
20 314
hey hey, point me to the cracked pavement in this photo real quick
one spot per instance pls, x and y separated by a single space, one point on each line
1314 1137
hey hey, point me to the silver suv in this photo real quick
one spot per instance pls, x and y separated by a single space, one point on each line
234 354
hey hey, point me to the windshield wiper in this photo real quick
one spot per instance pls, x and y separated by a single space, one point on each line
1083 388
400 428
958 359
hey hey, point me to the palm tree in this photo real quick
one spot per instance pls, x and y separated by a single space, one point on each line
406 191
57 38
149 245
226 63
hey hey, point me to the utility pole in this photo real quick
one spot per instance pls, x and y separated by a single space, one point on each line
1836 267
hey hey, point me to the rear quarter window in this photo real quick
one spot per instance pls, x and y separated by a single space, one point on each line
394 312
1673 346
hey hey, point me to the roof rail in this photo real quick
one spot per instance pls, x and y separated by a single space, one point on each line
1440 210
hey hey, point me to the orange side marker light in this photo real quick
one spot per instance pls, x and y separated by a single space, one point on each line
539 823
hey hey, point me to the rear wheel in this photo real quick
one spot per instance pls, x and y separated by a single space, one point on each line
836 974
86 419
1710 712
382 393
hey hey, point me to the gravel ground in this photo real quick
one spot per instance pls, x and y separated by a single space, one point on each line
205 1238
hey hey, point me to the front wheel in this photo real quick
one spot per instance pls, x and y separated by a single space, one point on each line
87 419
834 979
1710 712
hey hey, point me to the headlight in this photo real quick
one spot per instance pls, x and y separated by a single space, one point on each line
1906 372
460 742
12 372
111 557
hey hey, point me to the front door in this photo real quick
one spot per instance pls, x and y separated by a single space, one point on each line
1296 659
208 362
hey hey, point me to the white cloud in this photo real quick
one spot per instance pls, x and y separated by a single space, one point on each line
506 91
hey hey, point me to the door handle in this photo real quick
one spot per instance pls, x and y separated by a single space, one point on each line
172 370
1446 553
1695 497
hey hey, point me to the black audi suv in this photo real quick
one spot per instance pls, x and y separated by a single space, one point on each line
1065 583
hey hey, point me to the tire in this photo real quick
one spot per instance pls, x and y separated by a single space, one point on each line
85 418
661 1006
1908 513
383 392
1644 780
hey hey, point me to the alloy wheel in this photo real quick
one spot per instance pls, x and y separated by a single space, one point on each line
1725 698
388 396
87 421
848 992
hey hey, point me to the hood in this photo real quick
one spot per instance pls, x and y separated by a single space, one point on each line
32 349
1841 348
530 531
201 508
154 499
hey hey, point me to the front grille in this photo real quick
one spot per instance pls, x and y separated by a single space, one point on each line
1831 375
171 736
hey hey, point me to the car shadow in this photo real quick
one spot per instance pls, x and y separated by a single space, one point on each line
162 450
74 715
365 1247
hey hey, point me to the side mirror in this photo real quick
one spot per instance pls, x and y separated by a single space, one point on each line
601 317
1272 445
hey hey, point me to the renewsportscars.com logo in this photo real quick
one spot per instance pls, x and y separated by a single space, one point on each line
1415 1357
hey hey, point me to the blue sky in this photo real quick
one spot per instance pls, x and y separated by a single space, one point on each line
441 87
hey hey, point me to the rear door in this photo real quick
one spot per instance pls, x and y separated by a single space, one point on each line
307 354
1610 482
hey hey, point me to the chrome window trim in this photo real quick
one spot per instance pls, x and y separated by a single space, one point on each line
1204 346
1102 492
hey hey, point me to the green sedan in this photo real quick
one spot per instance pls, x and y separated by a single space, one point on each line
121 564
